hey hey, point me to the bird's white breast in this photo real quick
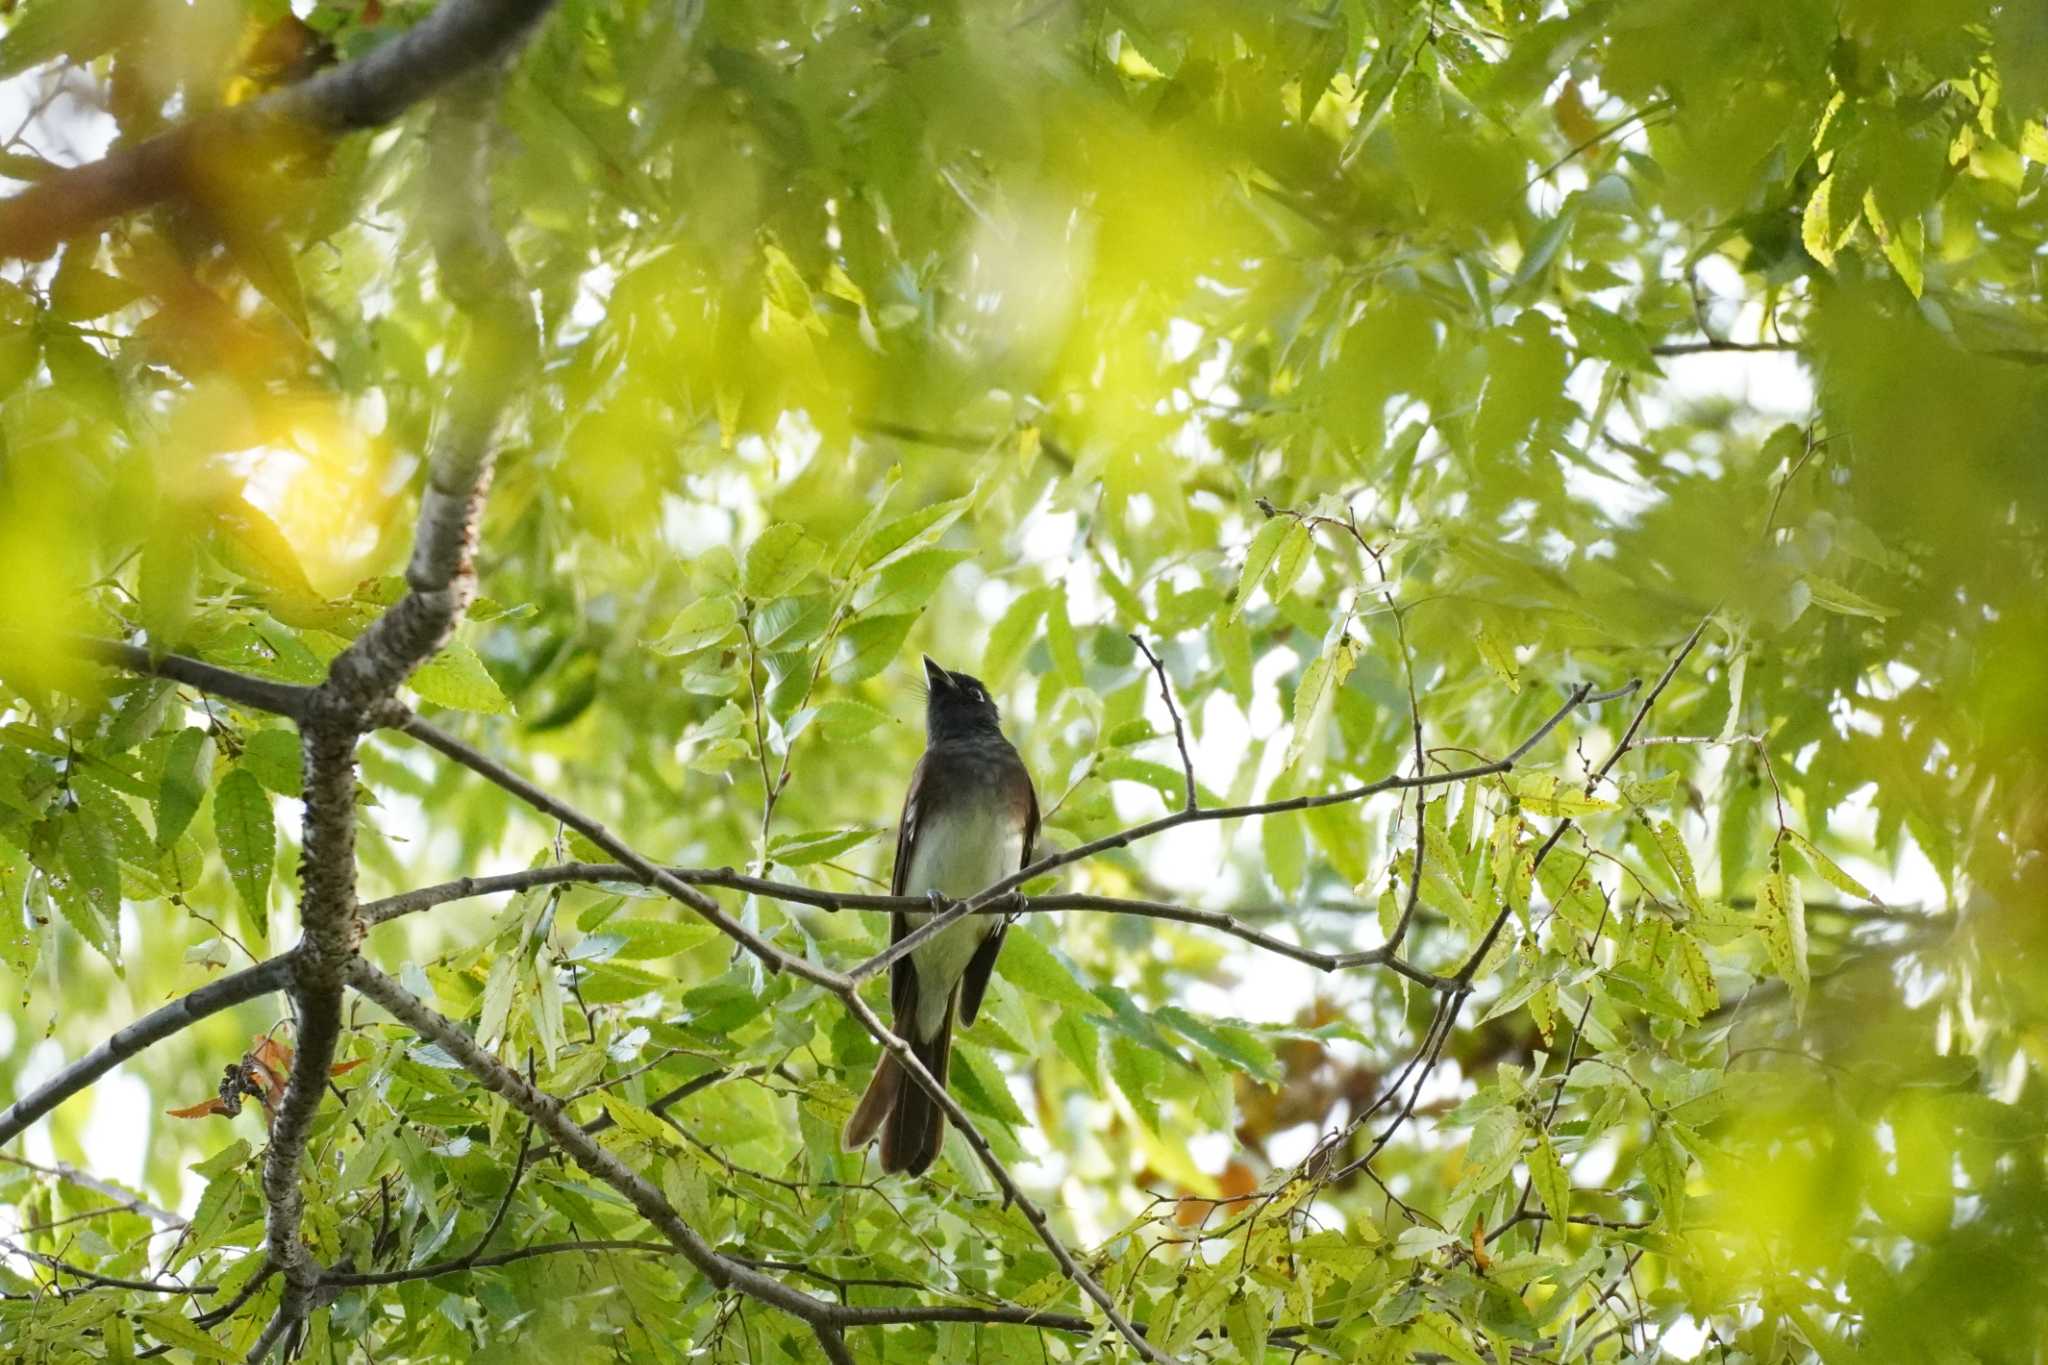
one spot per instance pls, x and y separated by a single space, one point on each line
958 850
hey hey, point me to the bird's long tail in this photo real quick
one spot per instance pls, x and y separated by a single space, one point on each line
911 1123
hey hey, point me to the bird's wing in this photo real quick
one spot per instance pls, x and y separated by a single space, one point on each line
902 975
974 981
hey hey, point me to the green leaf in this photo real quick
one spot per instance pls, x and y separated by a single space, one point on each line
1059 640
1549 794
78 29
275 758
644 939
1498 657
1030 965
1013 634
89 892
1289 560
248 843
175 1330
641 1123
1077 1040
1137 1071
909 582
1829 871
1547 1175
705 622
188 772
1832 596
868 646
1814 224
982 1087
456 678
1543 249
1672 845
841 721
1259 558
801 850
780 558
912 529
1235 1044
1783 924
1317 694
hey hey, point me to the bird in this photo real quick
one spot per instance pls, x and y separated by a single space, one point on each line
970 819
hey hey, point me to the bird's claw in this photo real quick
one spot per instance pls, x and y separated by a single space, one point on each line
938 900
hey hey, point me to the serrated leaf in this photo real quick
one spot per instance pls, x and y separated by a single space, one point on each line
1814 227
1547 1174
247 832
1013 634
1257 559
1672 845
868 645
1832 596
842 720
90 892
1549 794
779 559
456 678
188 772
705 622
644 939
982 1087
1783 925
499 990
641 1123
1030 965
1078 1042
175 1330
275 758
1233 1043
909 582
912 529
1317 695
1289 560
1136 1071
1829 871
801 850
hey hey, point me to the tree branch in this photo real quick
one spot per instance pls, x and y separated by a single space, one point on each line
1180 739
373 89
86 1180
548 1114
776 959
477 272
154 1027
283 699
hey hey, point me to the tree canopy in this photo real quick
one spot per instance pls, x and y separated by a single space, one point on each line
1509 535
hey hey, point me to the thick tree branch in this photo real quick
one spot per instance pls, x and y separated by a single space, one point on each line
154 1027
477 271
261 694
457 37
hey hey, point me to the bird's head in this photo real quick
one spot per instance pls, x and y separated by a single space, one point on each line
957 704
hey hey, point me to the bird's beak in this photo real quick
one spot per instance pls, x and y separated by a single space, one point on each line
934 675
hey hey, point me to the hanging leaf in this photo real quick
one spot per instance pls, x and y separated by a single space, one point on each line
248 843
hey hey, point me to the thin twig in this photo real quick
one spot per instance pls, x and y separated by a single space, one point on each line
1187 764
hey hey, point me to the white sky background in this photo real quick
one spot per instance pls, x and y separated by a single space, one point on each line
1769 388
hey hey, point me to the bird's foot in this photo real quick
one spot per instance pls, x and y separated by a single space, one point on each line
939 902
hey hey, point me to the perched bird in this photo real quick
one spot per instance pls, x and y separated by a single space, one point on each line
969 820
